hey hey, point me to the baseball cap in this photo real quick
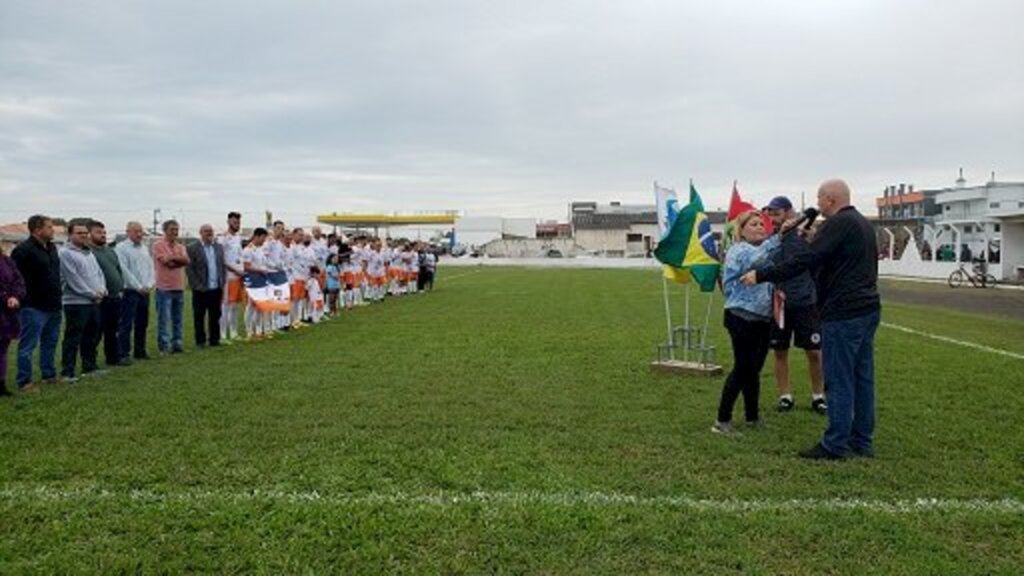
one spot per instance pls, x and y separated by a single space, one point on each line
779 203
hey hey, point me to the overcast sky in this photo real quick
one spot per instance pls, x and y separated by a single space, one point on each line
495 108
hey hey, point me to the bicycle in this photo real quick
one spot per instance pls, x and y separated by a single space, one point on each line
978 277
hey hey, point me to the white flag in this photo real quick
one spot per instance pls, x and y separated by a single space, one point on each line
668 207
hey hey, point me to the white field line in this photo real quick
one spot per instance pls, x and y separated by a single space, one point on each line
949 340
23 493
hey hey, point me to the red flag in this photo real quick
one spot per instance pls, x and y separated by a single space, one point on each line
738 206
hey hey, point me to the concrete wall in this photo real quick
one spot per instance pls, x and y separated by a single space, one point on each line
530 248
519 227
602 241
1012 251
615 243
477 230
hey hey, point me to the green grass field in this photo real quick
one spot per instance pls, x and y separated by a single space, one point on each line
509 423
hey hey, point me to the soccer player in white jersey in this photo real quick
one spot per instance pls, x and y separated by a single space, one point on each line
311 269
318 242
350 280
288 263
362 258
412 267
254 262
395 269
231 241
275 262
296 276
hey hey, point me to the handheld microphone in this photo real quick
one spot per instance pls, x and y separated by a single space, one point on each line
806 220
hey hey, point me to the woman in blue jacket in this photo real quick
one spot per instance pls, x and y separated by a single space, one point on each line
748 313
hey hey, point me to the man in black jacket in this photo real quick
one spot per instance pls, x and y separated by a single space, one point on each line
39 264
206 277
800 323
845 255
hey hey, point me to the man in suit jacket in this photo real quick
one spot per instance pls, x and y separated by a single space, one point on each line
206 277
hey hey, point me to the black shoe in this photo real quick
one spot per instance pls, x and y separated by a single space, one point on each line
177 350
820 406
863 452
142 356
785 404
4 391
818 452
124 362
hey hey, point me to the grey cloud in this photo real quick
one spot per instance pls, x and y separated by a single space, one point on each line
514 107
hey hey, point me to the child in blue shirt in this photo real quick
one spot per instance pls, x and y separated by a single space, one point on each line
333 284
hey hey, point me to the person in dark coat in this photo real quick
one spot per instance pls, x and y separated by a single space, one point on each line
40 311
12 292
207 276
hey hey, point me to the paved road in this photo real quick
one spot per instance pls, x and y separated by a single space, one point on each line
992 302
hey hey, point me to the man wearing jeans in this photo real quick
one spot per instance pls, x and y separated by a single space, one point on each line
39 264
84 289
845 254
206 277
170 259
137 270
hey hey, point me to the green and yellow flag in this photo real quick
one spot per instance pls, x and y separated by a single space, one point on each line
688 246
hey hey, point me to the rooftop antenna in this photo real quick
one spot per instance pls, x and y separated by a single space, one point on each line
960 181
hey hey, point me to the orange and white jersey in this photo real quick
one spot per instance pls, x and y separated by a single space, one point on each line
232 244
349 273
255 256
302 260
286 260
375 265
275 254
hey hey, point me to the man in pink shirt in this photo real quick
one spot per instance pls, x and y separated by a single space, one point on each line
169 260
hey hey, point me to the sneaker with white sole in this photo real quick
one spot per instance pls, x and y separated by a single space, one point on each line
819 405
725 429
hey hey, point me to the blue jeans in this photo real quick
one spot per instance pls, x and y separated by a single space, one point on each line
38 328
134 321
170 310
848 353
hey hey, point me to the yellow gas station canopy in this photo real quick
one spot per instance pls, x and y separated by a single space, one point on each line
384 220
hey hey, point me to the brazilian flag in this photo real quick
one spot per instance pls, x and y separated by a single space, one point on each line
689 247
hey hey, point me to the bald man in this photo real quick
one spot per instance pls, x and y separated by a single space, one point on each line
844 254
207 276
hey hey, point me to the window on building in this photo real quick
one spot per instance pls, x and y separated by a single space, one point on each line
947 207
993 205
634 237
968 229
996 228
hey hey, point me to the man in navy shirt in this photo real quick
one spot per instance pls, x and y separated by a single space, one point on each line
799 322
845 255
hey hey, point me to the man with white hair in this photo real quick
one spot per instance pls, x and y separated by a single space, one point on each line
845 254
206 277
137 270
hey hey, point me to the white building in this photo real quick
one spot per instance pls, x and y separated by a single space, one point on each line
622 230
988 220
475 231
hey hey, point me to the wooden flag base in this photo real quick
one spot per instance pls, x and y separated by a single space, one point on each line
686 368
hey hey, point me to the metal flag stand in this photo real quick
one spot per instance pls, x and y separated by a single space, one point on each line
688 338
